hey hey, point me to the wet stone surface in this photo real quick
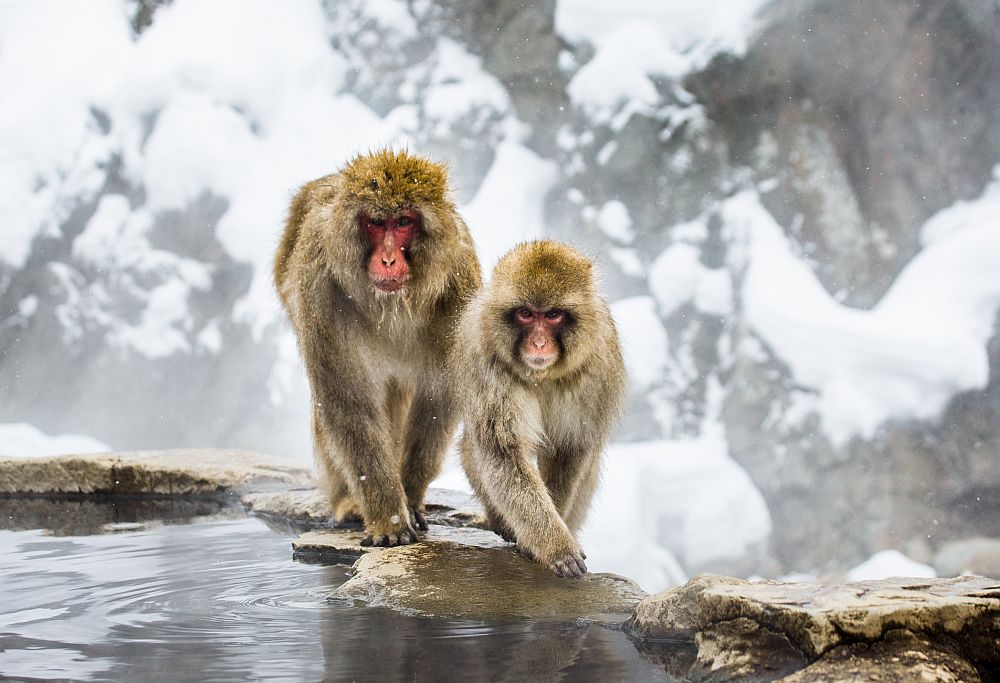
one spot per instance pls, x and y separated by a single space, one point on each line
449 579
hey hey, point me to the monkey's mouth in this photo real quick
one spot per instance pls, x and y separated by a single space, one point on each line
539 362
389 285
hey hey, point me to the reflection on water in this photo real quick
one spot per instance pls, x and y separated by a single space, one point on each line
221 599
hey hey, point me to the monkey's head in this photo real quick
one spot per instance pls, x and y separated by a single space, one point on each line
397 206
543 297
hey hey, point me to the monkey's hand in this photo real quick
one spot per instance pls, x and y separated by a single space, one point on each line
567 563
389 533
417 518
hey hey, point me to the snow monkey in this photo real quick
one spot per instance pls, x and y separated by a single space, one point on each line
374 268
537 365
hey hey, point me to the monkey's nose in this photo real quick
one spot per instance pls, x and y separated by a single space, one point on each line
539 343
388 260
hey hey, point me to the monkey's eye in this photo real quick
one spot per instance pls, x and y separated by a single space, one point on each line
525 314
404 221
380 222
555 315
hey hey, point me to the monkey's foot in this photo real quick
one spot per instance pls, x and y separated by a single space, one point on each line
390 533
417 518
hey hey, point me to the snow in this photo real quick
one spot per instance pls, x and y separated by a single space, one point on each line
667 504
677 277
249 54
615 222
392 15
643 340
237 99
621 71
628 260
178 166
721 24
638 41
508 208
50 72
905 358
21 440
673 277
889 563
459 85
162 329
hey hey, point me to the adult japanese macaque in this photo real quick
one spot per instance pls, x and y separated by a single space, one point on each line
374 268
539 371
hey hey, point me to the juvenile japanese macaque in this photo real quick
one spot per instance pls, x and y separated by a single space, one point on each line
539 371
374 268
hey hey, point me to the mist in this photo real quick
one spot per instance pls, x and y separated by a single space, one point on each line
793 205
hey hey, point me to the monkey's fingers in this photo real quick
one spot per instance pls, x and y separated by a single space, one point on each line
408 535
380 540
403 537
570 567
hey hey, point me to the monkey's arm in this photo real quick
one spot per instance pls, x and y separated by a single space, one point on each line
516 490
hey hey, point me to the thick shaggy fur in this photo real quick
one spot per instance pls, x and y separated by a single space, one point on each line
383 414
560 417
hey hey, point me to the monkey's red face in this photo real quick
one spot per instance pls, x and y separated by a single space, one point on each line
538 343
389 240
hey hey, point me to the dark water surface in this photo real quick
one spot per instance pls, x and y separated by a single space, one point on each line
220 599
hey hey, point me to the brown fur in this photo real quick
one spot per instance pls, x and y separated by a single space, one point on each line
560 416
382 412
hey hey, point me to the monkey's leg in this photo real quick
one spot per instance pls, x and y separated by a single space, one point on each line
397 407
360 449
343 506
430 425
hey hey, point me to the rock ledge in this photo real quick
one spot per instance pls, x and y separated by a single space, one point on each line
720 628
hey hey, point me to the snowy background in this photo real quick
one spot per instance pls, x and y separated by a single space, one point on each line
795 205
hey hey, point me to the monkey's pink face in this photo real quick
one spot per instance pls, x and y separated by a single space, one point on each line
538 343
388 240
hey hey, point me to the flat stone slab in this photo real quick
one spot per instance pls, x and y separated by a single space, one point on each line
195 471
449 579
763 630
309 508
343 546
818 618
